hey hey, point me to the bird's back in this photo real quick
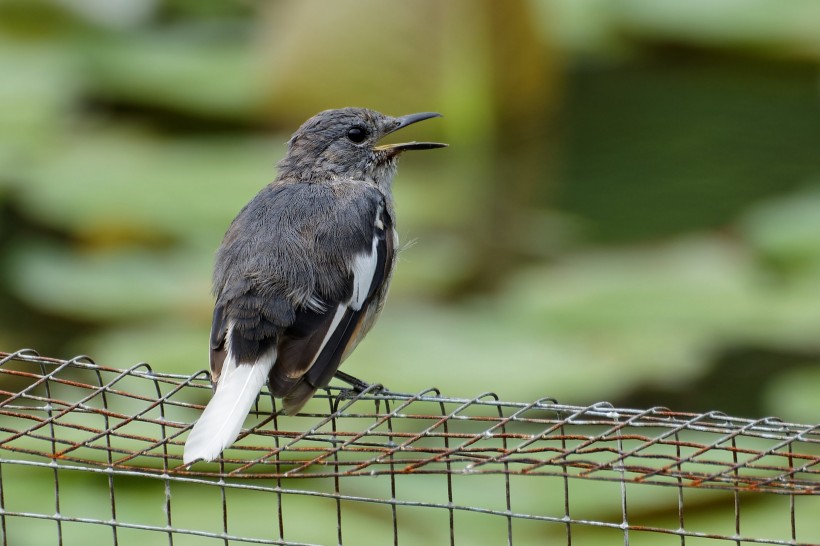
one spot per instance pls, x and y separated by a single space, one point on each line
285 279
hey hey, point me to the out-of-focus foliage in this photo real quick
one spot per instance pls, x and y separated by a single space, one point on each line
629 209
630 192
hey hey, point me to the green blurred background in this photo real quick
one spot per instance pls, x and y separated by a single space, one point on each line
629 210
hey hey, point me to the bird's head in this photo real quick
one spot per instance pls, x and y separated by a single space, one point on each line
345 142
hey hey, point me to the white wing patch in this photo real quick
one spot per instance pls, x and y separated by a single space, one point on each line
364 269
340 312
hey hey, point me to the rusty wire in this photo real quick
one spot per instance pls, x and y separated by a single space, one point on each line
416 459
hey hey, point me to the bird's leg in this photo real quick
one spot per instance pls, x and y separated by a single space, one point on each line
358 385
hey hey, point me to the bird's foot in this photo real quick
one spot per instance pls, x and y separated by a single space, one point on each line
357 387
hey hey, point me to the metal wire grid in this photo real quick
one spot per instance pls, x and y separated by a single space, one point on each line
383 467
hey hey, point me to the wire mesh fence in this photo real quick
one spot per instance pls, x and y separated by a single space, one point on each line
93 455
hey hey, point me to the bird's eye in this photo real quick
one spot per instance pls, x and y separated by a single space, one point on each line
357 134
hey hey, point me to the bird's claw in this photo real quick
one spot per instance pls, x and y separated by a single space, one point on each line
357 388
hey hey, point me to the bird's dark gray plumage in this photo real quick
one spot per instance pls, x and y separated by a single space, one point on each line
303 270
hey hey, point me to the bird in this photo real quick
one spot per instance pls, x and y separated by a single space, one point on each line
303 270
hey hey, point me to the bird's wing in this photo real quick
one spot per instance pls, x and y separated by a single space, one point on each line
313 347
301 271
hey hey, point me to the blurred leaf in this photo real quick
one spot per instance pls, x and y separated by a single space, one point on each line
34 101
786 231
625 318
601 25
96 181
463 352
746 23
110 13
167 344
206 70
692 283
109 285
793 395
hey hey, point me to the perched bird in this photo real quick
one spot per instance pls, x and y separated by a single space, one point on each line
303 270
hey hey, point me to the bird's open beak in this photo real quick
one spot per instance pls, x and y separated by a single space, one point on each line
404 121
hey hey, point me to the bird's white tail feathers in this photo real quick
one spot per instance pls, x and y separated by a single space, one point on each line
222 419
